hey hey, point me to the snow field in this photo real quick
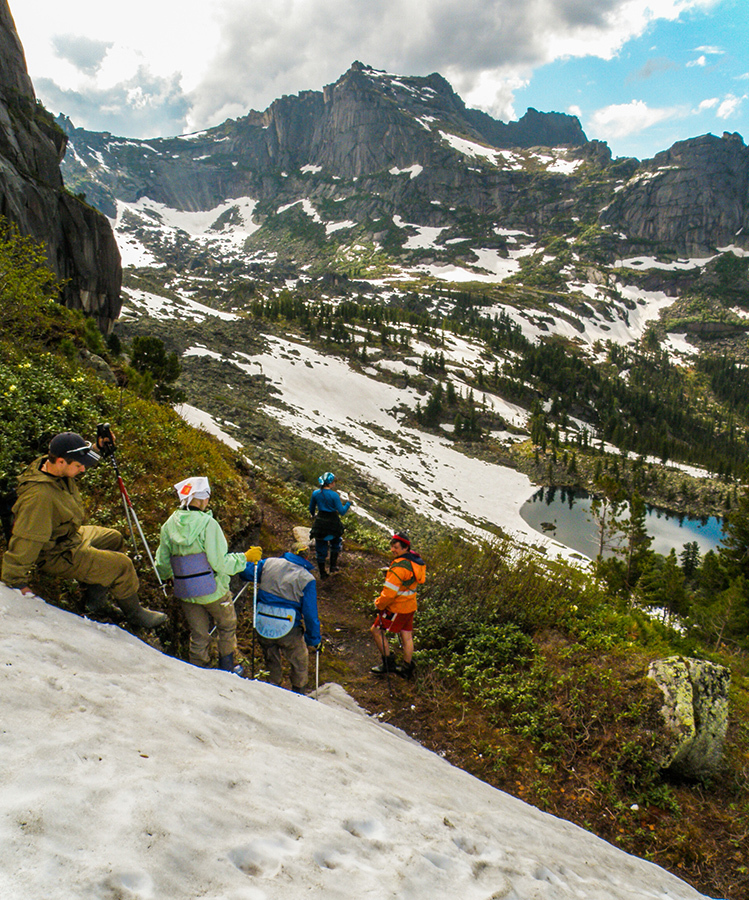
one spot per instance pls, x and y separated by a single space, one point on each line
129 775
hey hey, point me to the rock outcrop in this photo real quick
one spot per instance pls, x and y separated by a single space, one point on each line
693 197
357 139
695 713
80 246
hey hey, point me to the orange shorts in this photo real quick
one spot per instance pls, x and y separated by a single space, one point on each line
394 622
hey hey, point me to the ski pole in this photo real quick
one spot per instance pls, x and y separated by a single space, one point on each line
107 449
385 664
234 603
254 617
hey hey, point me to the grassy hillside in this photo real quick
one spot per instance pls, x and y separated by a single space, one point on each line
530 675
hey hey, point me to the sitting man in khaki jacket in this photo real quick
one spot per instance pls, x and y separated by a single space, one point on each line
48 531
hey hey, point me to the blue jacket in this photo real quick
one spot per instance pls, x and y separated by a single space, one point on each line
288 581
326 500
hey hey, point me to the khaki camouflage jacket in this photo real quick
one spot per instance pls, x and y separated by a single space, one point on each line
48 514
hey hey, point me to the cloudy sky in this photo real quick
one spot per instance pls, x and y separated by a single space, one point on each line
640 74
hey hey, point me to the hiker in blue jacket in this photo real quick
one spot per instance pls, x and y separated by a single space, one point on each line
327 529
286 617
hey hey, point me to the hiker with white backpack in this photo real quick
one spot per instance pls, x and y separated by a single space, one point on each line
286 618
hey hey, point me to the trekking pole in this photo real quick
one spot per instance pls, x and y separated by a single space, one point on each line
317 673
107 450
385 665
254 617
234 604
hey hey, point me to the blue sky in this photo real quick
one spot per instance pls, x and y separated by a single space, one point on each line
685 78
640 74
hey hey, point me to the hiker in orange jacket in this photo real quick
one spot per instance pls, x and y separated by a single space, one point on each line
397 604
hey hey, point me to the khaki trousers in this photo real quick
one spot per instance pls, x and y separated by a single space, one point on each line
199 616
99 559
293 648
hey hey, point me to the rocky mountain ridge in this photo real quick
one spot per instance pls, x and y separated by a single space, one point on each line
693 197
374 150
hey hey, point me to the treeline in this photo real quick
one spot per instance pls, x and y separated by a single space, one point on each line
636 398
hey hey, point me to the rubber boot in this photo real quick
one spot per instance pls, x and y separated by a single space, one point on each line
227 664
387 665
98 604
321 567
333 561
138 616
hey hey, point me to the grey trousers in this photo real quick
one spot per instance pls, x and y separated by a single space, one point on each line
199 616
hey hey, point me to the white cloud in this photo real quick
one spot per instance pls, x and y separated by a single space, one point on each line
232 55
730 106
622 119
700 61
710 103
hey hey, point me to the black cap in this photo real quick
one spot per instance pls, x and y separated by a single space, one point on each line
72 448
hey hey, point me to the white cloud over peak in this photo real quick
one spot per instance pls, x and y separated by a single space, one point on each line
229 56
730 106
621 119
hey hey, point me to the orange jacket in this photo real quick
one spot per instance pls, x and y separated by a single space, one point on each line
399 591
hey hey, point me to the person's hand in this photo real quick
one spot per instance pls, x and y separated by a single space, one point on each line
254 554
318 647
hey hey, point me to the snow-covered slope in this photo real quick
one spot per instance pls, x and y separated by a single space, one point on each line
127 774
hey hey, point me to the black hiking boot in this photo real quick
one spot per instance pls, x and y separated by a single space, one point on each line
387 665
333 563
406 670
323 572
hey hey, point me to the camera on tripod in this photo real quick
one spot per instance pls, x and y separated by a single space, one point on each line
105 439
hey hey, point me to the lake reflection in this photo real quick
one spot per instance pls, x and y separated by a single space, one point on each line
565 515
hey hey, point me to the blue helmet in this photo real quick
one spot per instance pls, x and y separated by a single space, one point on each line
327 478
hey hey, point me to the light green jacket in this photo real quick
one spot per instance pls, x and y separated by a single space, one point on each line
189 531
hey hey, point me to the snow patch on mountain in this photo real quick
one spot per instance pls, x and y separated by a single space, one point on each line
205 422
226 227
323 400
622 324
650 262
414 171
139 302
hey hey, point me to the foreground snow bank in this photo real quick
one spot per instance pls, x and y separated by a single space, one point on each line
128 774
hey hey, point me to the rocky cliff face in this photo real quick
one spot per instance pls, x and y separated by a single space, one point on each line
693 197
375 148
347 139
79 242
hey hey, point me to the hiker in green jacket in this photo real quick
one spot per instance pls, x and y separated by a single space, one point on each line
48 532
193 552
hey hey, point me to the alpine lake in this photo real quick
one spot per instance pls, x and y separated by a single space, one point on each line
565 515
